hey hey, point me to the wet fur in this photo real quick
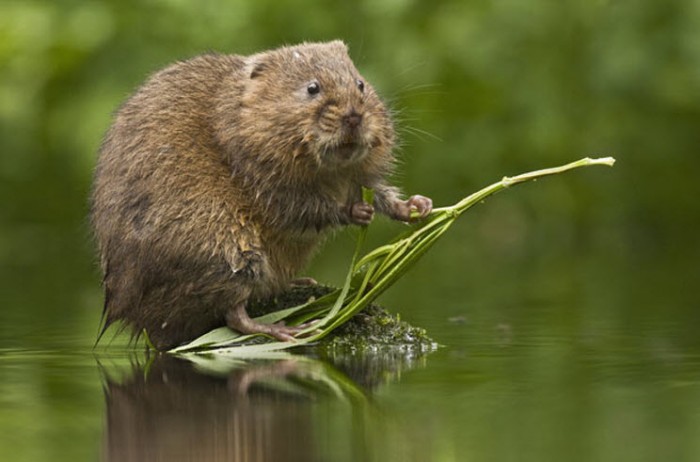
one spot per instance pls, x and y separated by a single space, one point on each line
217 181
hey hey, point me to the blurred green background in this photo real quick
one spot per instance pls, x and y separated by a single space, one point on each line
482 88
569 306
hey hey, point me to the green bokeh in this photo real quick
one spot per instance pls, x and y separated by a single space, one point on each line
482 89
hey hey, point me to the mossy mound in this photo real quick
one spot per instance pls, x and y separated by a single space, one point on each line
371 329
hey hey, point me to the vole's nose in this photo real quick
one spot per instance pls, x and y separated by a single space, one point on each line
352 119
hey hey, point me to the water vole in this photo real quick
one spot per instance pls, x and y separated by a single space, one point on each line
220 176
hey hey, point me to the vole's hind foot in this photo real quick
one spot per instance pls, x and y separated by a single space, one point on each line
303 282
237 318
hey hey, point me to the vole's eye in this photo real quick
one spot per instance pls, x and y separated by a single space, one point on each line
313 88
360 85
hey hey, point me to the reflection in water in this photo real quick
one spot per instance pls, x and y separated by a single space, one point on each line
217 408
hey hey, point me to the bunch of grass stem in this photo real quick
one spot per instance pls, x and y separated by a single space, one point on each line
369 275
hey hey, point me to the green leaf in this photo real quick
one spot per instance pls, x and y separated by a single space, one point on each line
367 276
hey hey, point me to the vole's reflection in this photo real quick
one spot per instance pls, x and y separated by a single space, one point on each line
218 409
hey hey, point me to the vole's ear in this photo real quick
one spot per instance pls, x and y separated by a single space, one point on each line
256 67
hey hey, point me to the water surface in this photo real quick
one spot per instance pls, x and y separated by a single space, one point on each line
551 378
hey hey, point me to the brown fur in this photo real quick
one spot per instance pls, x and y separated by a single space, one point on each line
221 174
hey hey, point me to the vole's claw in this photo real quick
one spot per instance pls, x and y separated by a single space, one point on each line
285 333
282 336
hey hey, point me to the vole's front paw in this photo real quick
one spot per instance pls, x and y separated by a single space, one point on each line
361 213
414 209
421 205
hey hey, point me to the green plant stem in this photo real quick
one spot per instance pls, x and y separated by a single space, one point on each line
507 182
375 272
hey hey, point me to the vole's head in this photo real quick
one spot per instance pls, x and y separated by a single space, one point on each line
310 105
